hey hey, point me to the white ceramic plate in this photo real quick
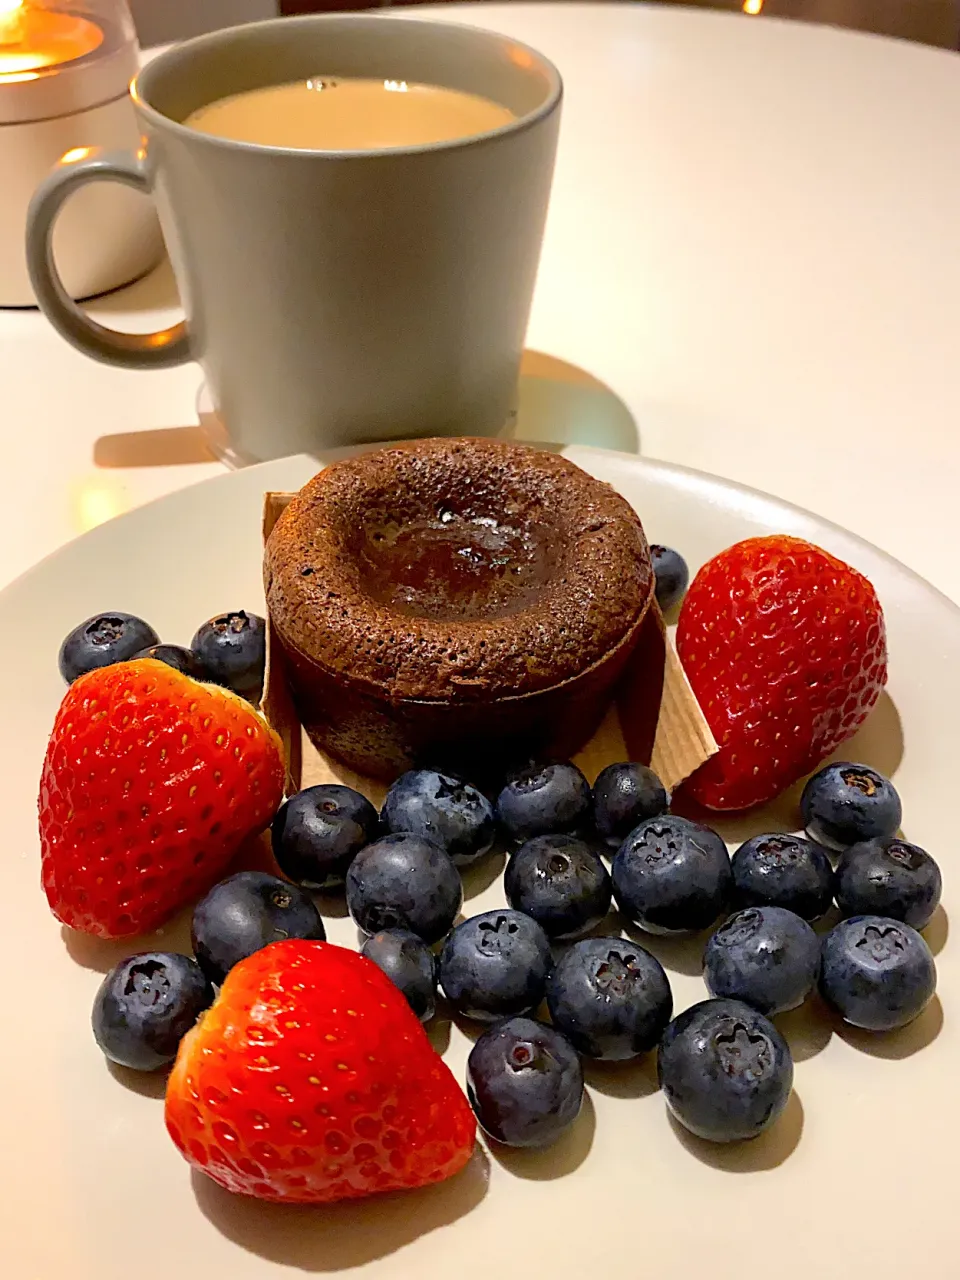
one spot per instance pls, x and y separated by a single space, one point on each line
856 1178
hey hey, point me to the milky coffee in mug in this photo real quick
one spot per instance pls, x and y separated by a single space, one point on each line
339 287
325 113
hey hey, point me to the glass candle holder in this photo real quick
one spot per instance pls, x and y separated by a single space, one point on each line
65 72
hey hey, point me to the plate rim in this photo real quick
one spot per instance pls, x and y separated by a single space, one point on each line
710 506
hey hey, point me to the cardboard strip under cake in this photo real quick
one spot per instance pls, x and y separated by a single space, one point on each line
654 721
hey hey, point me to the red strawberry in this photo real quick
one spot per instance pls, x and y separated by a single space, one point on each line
310 1079
150 783
785 648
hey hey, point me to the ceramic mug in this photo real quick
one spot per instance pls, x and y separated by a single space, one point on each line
333 297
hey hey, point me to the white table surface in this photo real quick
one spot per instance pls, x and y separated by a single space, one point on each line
752 240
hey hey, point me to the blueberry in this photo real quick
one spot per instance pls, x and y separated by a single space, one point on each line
544 801
318 832
246 912
610 998
725 1070
767 957
783 871
876 972
495 965
671 875
844 803
145 1005
672 575
409 964
233 648
102 640
404 882
888 878
524 1082
561 883
625 795
176 656
443 809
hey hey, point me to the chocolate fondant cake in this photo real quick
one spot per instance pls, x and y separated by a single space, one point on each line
456 600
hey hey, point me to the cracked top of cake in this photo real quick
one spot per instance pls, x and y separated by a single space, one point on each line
456 569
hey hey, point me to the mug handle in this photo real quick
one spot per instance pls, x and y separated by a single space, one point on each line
160 350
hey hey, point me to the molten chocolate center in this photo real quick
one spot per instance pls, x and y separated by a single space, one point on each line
453 565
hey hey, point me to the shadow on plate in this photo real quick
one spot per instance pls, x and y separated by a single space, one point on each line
634 1079
781 814
808 1029
682 954
482 874
560 403
332 904
149 1084
565 1156
101 954
827 921
254 854
438 1030
611 926
159 447
879 743
96 953
471 1029
339 1237
768 1151
672 615
937 931
905 1042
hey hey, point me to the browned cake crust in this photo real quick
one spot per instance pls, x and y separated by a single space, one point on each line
462 574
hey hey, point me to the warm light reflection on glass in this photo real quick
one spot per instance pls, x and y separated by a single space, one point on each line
520 57
34 39
393 86
11 22
753 7
98 501
75 154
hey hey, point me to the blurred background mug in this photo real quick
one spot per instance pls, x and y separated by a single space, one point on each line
333 297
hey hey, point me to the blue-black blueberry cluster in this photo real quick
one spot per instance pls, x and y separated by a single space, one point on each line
725 1069
873 968
229 650
148 1002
